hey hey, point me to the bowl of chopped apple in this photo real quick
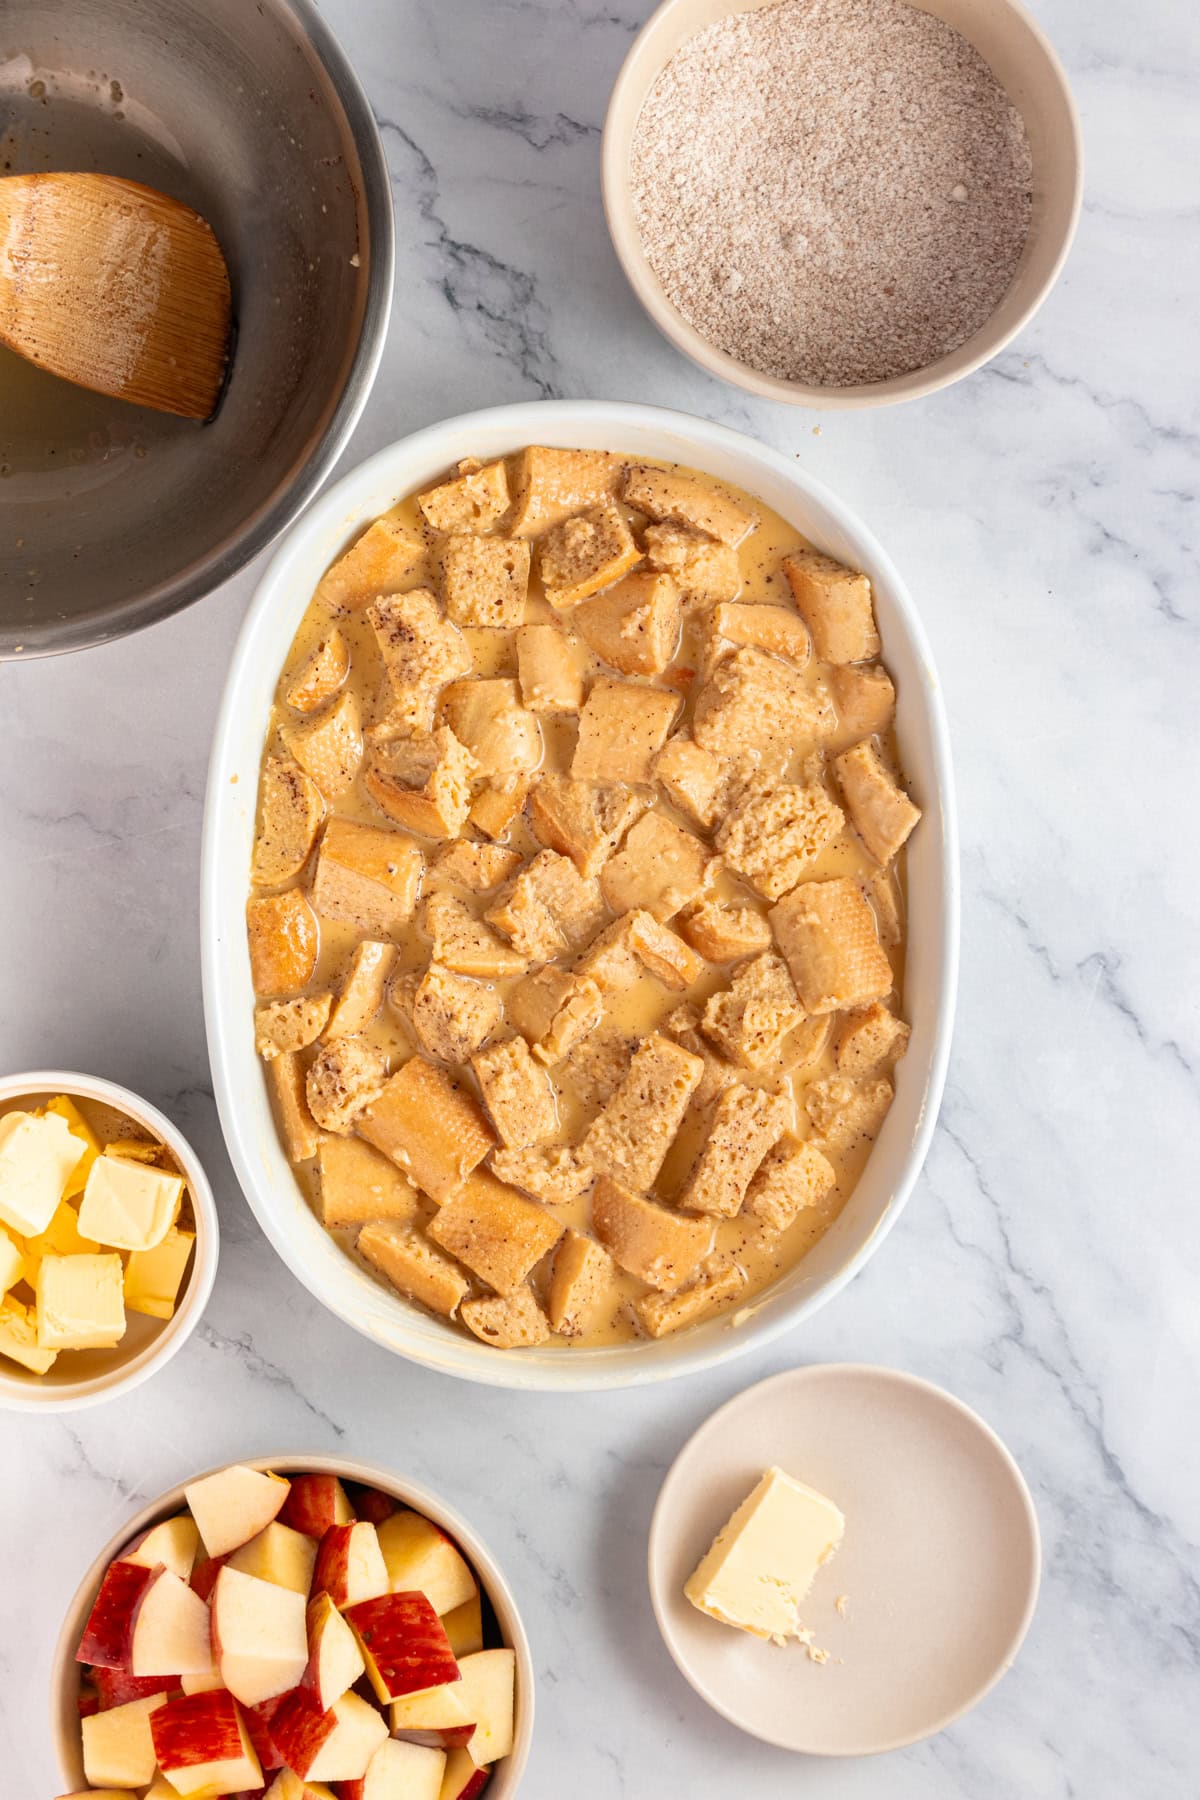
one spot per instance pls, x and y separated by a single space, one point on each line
108 1240
289 1623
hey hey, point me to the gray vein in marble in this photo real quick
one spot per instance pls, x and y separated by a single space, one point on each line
241 1348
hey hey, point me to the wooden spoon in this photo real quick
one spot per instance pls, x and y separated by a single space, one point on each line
116 287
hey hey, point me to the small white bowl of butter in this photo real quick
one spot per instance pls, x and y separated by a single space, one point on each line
108 1240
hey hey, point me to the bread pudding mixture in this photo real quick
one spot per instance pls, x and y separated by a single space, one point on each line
577 911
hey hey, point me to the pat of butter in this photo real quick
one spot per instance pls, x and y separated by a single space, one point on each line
128 1205
152 1277
12 1262
80 1302
18 1338
38 1156
762 1564
78 1127
61 1238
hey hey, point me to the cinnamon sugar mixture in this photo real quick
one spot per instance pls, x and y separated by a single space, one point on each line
832 191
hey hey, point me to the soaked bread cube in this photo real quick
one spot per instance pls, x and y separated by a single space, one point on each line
297 1127
746 1123
826 931
774 839
290 811
637 944
584 820
466 945
843 1109
551 484
283 940
549 670
659 1247
690 777
423 783
551 1172
430 1126
684 1026
383 557
586 553
880 811
554 1009
869 1038
663 494
517 1092
510 1322
864 697
547 908
485 580
750 1018
474 500
498 804
320 675
404 709
622 728
792 1176
362 988
723 933
705 571
453 1015
758 707
345 1076
357 1184
662 869
777 630
487 716
661 1314
367 876
883 892
288 1025
418 647
476 867
496 1232
415 1269
835 604
582 1277
634 626
329 746
630 1137
597 1066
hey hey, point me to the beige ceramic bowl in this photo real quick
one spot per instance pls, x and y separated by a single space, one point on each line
64 1674
87 1377
1022 59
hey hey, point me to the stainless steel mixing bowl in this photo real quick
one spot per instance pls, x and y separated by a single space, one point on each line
111 517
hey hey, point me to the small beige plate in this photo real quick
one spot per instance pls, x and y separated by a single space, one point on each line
939 1566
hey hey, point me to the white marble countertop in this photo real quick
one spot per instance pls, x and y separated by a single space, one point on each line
1046 1269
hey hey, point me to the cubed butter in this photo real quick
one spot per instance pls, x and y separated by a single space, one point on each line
62 1237
128 1205
762 1564
152 1277
38 1156
18 1338
78 1126
12 1262
80 1302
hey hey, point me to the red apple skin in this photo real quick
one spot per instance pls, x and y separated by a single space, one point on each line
204 1576
257 1720
311 1506
105 1640
371 1505
299 1728
116 1687
88 1702
476 1781
438 1737
196 1728
404 1638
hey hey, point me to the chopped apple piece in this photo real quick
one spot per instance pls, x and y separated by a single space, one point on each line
314 1503
333 1746
464 1627
350 1566
117 1687
399 1772
287 1786
462 1779
421 1558
403 1643
278 1554
118 1749
436 1716
170 1632
489 1685
234 1505
258 1636
203 1747
335 1661
105 1640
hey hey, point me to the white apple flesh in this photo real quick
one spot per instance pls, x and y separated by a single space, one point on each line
259 1637
422 1559
170 1633
234 1505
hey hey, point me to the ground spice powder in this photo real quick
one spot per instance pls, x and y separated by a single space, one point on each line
832 191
